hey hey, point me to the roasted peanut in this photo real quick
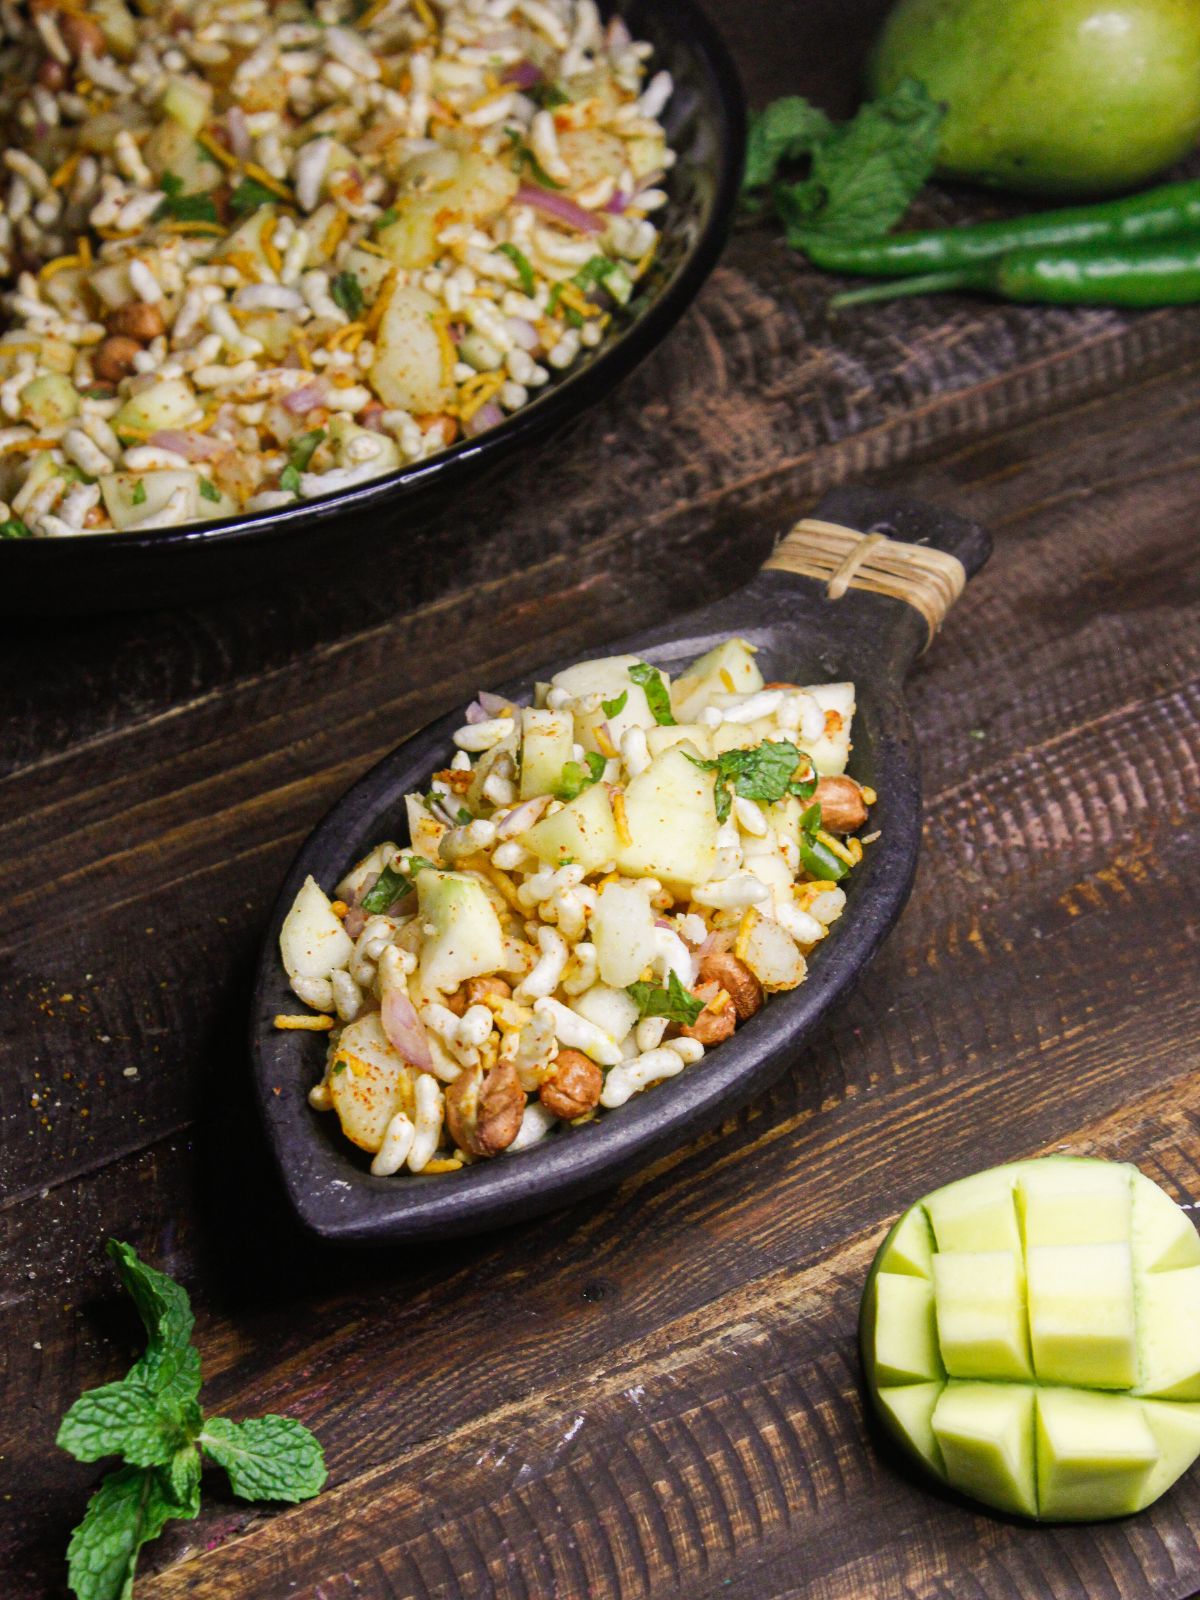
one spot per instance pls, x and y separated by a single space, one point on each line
478 990
711 1027
114 359
81 35
138 320
457 1002
484 1109
735 977
573 1087
843 808
52 74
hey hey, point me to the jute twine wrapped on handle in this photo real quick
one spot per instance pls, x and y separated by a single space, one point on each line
842 559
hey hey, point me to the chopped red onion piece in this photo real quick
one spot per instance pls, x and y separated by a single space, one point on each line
617 204
307 398
240 141
488 415
521 817
494 704
522 74
192 446
475 713
405 1029
559 208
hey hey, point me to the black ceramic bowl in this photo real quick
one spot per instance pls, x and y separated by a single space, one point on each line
705 122
801 636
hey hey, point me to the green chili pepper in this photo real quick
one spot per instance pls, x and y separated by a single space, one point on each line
1162 274
1161 213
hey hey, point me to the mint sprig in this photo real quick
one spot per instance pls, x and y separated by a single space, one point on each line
152 1419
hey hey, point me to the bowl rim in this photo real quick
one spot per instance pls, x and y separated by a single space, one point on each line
558 404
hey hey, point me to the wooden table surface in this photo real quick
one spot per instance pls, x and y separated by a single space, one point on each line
655 1393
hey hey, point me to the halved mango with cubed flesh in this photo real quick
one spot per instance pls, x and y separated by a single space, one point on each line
1061 1298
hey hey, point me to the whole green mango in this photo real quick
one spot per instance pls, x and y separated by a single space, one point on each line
1055 97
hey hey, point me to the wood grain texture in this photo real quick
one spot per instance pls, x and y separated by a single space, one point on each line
656 1393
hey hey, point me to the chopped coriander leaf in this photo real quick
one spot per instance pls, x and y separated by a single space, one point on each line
657 697
522 263
613 708
209 490
820 860
593 272
302 447
347 293
549 96
249 196
525 160
184 207
385 219
14 528
576 778
673 1002
392 885
138 497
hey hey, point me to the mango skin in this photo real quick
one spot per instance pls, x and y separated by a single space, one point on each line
1051 97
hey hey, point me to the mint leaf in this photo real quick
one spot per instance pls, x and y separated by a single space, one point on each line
657 697
785 130
576 778
182 1477
125 1419
673 1001
170 1365
138 497
131 1507
613 708
346 292
392 885
866 172
767 772
209 490
267 1458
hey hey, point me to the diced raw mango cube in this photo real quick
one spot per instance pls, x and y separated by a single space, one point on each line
1094 1454
1169 1330
909 1409
1163 1235
980 1300
909 1246
1075 1202
977 1213
1081 1318
985 1434
1176 1429
906 1348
